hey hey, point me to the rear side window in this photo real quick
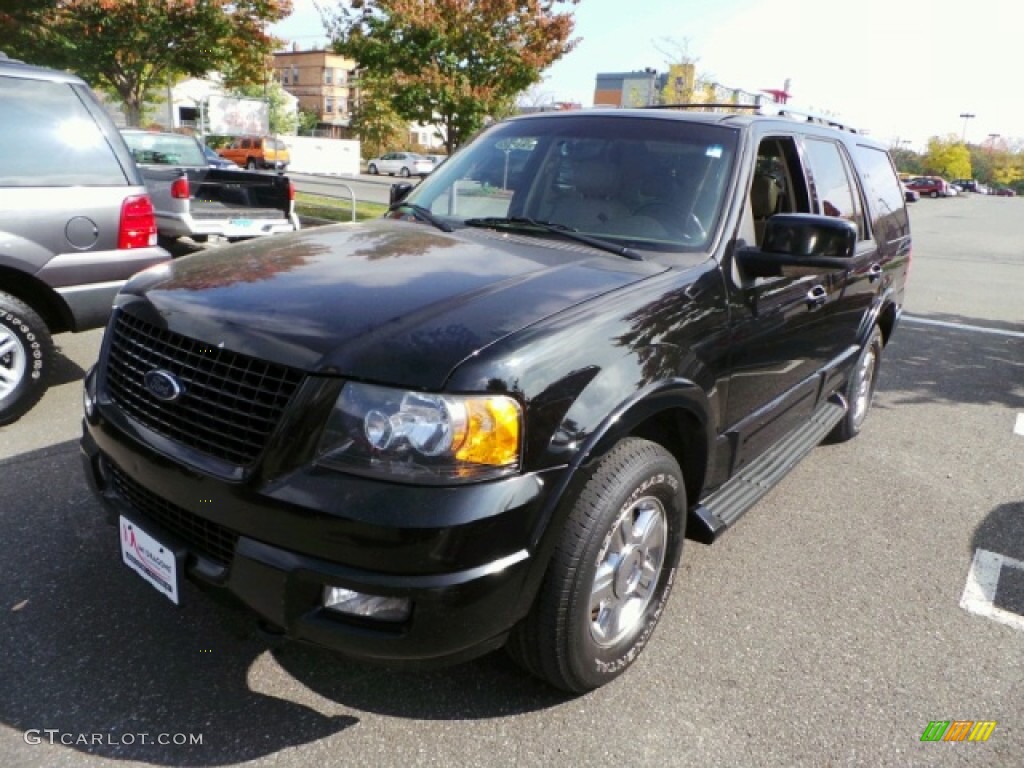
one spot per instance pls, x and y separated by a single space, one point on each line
885 197
49 139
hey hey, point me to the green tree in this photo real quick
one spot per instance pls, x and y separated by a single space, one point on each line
308 121
133 48
453 63
947 157
374 120
907 161
281 116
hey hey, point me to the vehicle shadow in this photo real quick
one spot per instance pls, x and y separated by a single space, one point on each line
91 651
929 363
1002 531
63 370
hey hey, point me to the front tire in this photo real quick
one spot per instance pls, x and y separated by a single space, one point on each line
372 169
611 573
860 390
26 352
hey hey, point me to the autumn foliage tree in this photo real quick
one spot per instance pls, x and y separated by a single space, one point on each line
133 48
453 63
947 157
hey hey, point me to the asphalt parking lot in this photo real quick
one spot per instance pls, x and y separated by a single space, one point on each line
846 612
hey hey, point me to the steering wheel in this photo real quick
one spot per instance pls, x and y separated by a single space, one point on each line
666 215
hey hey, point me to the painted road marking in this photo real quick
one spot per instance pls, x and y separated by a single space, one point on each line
1018 428
980 591
963 326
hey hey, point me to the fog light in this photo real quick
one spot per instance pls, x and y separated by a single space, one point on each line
371 606
88 404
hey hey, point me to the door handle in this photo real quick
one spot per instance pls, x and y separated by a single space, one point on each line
816 297
874 272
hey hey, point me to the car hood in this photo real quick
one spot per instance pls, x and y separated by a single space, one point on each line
388 301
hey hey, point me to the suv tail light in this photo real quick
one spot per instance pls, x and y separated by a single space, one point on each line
138 223
291 190
179 188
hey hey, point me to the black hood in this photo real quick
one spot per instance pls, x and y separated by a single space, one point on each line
388 301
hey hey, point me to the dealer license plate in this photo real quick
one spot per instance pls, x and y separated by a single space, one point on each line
153 561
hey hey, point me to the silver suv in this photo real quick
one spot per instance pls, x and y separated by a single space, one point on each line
75 222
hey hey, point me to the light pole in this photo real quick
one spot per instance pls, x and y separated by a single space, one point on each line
966 116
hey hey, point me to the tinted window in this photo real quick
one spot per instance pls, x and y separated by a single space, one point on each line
836 194
48 138
885 198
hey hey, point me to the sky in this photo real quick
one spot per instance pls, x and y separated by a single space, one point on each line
900 70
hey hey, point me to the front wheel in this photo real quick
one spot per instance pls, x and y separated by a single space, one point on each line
861 389
26 352
611 573
372 169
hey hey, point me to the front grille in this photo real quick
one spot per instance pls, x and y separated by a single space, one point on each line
231 402
207 538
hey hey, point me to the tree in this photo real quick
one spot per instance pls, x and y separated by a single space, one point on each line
374 119
947 157
133 48
907 161
282 118
309 119
453 63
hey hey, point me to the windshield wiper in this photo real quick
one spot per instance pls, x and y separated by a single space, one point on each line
525 222
423 214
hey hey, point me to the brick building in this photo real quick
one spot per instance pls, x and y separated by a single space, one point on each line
323 82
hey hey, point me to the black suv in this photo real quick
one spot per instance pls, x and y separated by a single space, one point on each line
491 417
75 222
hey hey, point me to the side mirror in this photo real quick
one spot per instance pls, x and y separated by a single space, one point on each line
399 192
801 240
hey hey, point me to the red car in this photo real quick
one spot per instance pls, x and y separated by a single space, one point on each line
1006 192
932 186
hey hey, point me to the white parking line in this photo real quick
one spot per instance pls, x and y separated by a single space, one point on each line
962 326
980 591
1018 428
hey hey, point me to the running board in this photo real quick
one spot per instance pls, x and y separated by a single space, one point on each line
725 506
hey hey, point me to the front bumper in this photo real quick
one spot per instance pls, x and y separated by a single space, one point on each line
462 556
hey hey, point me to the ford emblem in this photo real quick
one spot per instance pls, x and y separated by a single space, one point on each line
163 386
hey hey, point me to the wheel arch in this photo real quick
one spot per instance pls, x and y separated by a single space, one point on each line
674 414
44 300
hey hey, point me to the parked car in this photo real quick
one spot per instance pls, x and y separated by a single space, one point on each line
490 417
929 186
257 152
1005 192
967 185
75 222
196 201
910 195
215 160
400 164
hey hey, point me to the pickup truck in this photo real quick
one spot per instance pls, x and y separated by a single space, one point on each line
196 201
492 416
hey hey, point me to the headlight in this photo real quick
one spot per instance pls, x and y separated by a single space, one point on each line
422 437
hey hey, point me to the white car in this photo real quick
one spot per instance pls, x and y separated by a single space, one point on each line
400 164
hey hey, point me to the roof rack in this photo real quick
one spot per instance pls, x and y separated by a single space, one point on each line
771 109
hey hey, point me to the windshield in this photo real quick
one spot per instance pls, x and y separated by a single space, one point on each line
645 183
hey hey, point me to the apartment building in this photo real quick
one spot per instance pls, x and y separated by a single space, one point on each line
323 82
